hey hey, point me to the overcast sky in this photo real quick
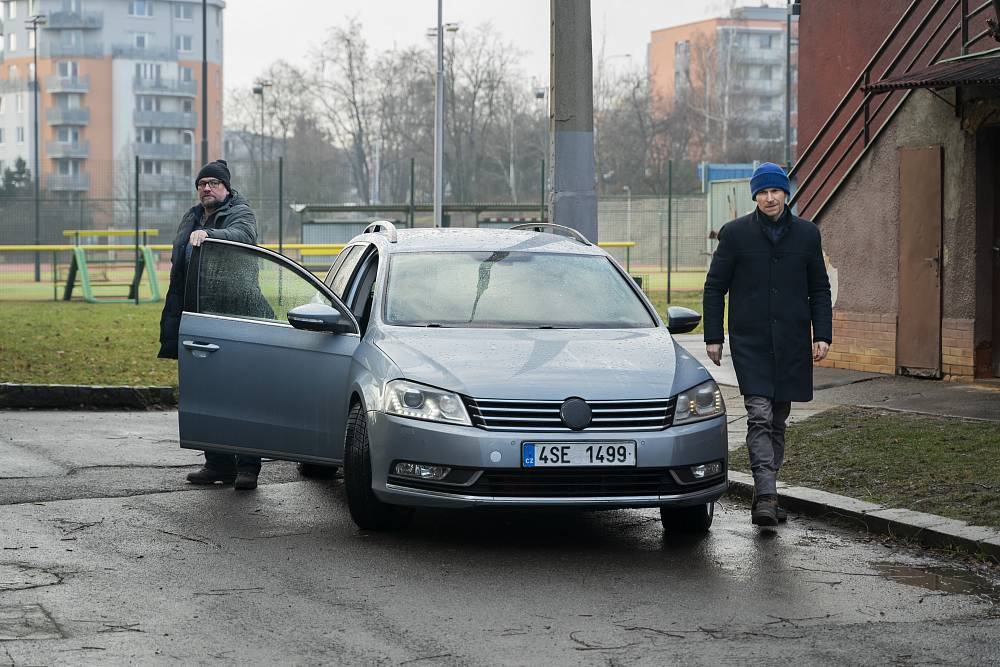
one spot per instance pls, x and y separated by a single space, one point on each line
258 32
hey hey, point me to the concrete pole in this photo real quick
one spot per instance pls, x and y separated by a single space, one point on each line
574 200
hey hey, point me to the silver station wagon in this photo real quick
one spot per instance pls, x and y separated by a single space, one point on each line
453 368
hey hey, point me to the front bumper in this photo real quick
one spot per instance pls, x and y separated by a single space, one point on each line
490 458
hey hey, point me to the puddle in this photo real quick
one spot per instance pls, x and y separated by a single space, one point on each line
943 579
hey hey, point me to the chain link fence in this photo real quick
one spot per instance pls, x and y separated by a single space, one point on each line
74 210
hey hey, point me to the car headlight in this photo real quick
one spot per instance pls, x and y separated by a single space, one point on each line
698 403
418 401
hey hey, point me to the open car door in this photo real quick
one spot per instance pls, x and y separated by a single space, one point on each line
265 352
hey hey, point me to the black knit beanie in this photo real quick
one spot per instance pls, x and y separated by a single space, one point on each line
218 169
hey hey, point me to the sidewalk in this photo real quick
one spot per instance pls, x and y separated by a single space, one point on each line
834 387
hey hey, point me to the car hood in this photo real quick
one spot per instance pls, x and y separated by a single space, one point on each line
603 364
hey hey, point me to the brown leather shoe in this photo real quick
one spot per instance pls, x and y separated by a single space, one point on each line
245 481
206 475
764 511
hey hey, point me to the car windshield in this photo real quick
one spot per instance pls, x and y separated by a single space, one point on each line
511 290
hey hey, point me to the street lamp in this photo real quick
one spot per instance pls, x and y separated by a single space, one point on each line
438 34
259 90
32 23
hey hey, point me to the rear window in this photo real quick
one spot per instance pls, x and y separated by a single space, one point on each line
511 290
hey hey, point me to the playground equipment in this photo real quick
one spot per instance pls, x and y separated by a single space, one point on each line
106 268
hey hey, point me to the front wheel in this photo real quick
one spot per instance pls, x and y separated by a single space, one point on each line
695 519
368 512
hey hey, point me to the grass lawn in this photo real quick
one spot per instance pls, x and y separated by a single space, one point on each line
79 343
939 465
59 342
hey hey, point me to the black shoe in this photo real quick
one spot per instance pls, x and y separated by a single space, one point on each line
764 511
246 481
781 514
206 475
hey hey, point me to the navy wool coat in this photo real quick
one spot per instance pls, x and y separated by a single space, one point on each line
777 290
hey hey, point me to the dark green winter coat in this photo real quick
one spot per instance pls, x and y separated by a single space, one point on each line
779 303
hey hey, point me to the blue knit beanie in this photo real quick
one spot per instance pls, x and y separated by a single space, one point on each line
768 175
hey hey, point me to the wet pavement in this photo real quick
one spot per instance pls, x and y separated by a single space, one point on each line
109 557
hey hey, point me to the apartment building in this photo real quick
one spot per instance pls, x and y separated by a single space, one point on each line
116 79
729 74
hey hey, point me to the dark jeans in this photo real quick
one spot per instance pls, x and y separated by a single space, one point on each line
766 440
228 462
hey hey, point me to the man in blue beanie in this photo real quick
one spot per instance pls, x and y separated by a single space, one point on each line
770 263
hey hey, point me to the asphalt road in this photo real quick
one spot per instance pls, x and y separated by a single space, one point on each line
108 557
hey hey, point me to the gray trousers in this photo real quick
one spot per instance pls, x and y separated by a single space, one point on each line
766 440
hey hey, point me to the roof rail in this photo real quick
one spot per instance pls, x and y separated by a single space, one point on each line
382 226
556 229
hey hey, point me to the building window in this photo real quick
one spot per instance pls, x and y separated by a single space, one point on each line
31 39
68 167
68 135
12 41
68 100
19 134
148 71
147 103
11 72
182 43
19 102
142 40
12 9
3 166
31 71
3 137
183 12
187 74
1 104
143 8
151 166
187 106
149 135
69 69
765 41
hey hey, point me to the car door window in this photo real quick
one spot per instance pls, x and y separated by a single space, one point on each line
340 277
363 291
241 282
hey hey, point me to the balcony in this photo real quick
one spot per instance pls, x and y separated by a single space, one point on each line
57 116
47 49
166 183
72 182
163 151
774 56
760 86
183 120
67 84
132 52
68 20
165 87
57 149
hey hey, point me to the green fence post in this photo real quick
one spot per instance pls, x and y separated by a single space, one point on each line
137 275
670 223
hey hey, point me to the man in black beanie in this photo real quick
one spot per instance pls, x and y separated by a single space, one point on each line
222 213
770 263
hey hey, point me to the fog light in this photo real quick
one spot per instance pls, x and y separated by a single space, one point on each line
706 470
421 471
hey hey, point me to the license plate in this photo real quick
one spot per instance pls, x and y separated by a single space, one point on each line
558 454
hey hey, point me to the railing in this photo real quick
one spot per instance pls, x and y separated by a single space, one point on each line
67 84
170 119
137 53
68 182
163 151
165 86
925 33
58 116
69 20
47 49
57 149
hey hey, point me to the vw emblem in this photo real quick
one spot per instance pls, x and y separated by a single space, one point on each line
575 414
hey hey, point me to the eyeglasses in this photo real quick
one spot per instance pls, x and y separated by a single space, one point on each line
210 182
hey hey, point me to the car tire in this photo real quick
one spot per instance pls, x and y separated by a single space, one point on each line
367 511
317 471
695 519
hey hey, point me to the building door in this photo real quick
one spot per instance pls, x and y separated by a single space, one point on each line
918 329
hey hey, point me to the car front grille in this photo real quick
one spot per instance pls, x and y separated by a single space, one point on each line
514 483
507 415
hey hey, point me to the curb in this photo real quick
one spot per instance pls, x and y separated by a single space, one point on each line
77 396
927 529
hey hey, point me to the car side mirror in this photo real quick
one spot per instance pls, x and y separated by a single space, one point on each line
681 320
319 317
